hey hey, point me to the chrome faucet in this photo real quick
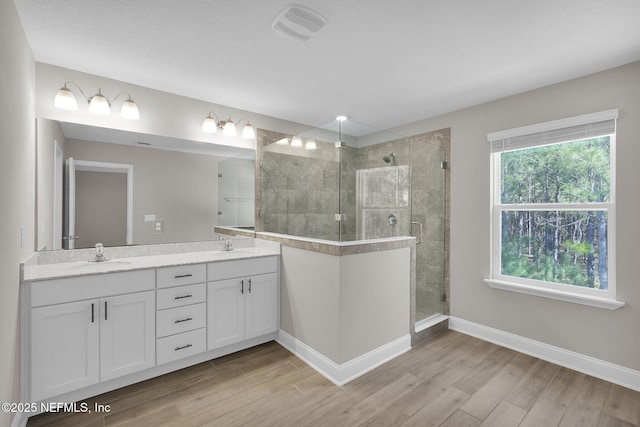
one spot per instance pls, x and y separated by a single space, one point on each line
100 253
227 244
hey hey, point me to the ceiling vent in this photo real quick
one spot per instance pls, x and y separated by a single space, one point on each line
298 22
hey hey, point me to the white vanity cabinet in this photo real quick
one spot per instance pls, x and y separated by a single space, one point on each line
65 348
90 329
87 330
181 317
126 334
242 300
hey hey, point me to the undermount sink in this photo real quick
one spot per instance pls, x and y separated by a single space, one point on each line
89 265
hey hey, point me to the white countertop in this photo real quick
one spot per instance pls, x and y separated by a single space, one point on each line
59 270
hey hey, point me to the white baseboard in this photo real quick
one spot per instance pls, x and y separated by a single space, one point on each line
616 374
343 373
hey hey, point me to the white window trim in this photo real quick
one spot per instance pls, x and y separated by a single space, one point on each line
567 296
568 293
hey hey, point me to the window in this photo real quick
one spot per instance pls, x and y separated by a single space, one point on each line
553 209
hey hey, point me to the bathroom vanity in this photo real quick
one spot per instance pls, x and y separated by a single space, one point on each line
88 328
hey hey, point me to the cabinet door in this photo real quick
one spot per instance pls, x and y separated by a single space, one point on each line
64 348
261 305
127 334
225 312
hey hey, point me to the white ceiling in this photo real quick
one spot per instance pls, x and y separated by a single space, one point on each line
382 63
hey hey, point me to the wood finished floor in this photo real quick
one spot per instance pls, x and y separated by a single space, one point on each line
453 380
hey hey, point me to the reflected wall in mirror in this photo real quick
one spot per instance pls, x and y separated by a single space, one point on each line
174 186
237 191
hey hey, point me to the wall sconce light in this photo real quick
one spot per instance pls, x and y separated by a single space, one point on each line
311 145
211 125
98 103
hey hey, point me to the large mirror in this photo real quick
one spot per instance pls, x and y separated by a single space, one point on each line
121 188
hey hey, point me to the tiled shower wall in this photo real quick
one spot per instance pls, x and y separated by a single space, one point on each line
299 189
298 194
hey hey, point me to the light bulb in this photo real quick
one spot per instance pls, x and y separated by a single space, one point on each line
65 100
296 142
248 132
209 125
98 104
229 128
310 145
129 110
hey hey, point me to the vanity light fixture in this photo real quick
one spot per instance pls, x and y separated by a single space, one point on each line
311 145
211 124
98 103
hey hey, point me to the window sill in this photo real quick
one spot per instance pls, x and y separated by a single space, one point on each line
572 297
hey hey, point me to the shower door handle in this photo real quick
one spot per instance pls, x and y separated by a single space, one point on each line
420 224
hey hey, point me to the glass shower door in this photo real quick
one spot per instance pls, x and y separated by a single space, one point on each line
428 217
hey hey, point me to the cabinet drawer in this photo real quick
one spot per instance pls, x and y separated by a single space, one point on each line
241 268
182 345
181 319
181 275
57 291
181 295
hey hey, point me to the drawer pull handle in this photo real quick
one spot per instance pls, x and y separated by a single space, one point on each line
180 276
183 296
105 310
183 347
242 287
183 320
249 285
92 313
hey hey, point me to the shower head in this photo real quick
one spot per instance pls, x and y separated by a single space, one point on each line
390 158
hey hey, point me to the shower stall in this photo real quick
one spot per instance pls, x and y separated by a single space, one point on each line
345 181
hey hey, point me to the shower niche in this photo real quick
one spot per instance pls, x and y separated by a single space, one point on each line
344 181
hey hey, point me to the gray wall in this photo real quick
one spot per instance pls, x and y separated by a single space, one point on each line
603 334
179 188
17 188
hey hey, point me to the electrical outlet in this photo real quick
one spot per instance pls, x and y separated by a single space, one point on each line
158 226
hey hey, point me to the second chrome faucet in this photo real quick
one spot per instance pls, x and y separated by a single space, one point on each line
227 244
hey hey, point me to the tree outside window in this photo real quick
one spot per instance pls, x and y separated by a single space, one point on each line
554 204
